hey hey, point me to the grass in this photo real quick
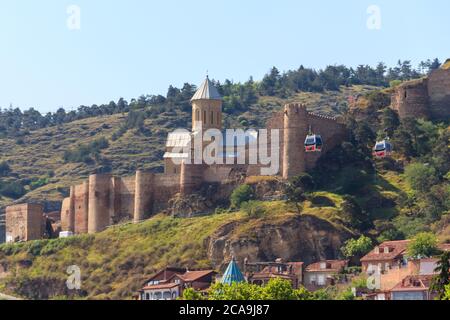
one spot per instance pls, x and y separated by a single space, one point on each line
115 263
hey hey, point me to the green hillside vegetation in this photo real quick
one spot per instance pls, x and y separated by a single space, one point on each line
116 262
390 199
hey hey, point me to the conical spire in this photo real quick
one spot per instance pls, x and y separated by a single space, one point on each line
233 274
207 91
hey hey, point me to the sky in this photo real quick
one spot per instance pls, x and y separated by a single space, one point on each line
58 53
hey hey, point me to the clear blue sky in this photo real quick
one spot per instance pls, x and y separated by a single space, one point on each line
133 47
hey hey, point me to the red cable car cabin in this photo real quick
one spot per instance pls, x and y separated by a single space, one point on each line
382 149
313 143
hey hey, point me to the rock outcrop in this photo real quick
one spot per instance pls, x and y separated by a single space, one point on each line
298 238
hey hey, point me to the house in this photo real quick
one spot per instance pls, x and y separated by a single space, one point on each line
169 284
324 273
261 273
385 256
416 287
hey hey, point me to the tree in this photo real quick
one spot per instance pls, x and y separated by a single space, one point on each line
241 194
441 283
276 289
424 245
357 247
253 209
237 291
5 169
353 215
390 122
191 294
296 188
420 176
271 82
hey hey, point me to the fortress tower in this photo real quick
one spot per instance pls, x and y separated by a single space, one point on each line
206 107
427 98
295 131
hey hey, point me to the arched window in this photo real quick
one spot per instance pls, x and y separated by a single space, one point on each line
212 117
204 117
197 115
147 296
218 117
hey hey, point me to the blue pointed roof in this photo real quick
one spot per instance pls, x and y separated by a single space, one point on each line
233 274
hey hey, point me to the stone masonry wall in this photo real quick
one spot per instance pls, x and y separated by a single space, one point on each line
24 222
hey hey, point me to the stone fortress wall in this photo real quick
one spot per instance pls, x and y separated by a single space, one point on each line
105 200
24 222
427 98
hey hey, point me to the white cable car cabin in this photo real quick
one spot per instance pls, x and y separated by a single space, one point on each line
313 143
382 149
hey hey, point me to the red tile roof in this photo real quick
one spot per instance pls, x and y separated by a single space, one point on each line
414 283
161 286
195 275
397 248
332 266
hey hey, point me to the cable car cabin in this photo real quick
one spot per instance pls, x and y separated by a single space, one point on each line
313 143
382 149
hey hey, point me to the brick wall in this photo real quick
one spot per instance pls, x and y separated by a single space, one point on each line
24 222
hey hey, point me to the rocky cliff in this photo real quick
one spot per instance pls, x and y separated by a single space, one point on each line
296 238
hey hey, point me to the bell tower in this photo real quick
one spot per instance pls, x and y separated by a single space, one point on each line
206 107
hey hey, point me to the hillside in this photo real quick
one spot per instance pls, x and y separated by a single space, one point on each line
349 194
39 155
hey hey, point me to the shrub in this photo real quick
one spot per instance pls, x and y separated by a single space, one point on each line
420 176
241 194
4 169
12 189
253 209
85 153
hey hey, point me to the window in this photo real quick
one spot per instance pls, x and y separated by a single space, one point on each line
321 280
147 296
204 117
197 115
212 117
167 295
218 118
